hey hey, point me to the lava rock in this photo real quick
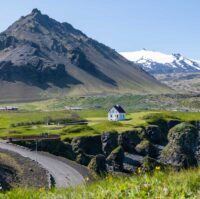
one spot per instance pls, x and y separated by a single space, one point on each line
109 142
128 140
83 158
88 144
154 134
182 146
55 147
115 159
98 164
149 164
146 148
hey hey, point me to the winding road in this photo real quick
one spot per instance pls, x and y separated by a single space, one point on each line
63 174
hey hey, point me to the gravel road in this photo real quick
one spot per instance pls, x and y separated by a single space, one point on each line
64 174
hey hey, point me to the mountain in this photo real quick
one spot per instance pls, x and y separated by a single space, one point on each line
160 63
40 57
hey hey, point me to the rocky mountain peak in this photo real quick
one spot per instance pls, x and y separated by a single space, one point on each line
38 51
35 11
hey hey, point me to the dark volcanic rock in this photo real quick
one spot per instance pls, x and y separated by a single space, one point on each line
98 164
109 142
149 164
83 159
154 134
55 147
182 146
128 140
146 148
88 144
115 159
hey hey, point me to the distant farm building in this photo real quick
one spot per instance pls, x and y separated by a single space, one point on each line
116 113
8 108
75 108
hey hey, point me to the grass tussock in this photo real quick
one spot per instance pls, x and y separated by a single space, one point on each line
184 184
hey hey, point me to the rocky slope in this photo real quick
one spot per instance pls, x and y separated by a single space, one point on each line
39 56
160 63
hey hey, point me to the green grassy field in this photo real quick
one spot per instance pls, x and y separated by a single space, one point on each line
169 185
38 122
129 102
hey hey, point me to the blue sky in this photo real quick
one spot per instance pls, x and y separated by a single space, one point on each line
170 26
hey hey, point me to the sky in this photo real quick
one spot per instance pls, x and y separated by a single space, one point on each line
168 26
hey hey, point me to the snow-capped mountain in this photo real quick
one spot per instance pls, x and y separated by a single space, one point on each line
160 63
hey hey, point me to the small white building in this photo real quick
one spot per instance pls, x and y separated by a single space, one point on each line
116 113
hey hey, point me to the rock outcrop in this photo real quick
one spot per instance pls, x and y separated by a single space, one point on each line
115 159
154 134
88 144
146 148
128 140
182 146
109 142
98 164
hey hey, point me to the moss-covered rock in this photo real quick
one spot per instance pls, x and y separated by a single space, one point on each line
98 164
182 146
129 139
154 134
115 159
149 164
88 144
160 126
145 147
83 158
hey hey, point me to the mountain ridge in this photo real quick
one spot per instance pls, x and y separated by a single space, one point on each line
47 57
159 63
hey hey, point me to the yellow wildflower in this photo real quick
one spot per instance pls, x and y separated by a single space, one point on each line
87 179
157 168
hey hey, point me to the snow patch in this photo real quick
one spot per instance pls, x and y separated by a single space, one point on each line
153 60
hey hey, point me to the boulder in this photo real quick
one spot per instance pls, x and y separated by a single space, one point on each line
154 134
88 144
182 146
98 164
115 159
146 148
109 142
83 159
128 140
149 164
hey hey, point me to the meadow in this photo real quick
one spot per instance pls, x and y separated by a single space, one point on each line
168 184
25 123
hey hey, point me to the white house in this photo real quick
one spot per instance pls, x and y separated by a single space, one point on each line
116 113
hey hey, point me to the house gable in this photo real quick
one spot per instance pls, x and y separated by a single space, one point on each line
116 113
